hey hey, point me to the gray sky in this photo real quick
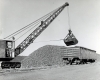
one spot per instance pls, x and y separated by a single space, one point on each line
84 21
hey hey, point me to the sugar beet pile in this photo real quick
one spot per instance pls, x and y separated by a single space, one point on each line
18 58
45 56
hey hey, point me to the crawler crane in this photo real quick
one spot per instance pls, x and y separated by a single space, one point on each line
7 47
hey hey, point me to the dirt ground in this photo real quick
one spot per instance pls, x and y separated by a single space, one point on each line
68 72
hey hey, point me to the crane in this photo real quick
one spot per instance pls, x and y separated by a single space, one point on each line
8 50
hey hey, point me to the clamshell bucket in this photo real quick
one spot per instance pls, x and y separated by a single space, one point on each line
70 39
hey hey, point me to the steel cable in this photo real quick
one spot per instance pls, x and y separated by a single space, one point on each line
31 24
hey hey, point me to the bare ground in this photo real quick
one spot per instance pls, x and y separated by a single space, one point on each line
68 72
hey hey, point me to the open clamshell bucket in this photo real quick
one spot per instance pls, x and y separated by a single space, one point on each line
70 39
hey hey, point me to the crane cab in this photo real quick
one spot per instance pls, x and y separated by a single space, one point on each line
70 39
6 50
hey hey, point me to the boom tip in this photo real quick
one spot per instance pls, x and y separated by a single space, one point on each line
67 4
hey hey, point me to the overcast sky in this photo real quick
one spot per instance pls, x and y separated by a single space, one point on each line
84 20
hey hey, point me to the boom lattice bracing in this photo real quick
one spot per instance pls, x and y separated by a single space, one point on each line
44 24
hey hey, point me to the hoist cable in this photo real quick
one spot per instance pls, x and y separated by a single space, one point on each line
32 28
25 32
49 40
30 24
68 18
17 32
